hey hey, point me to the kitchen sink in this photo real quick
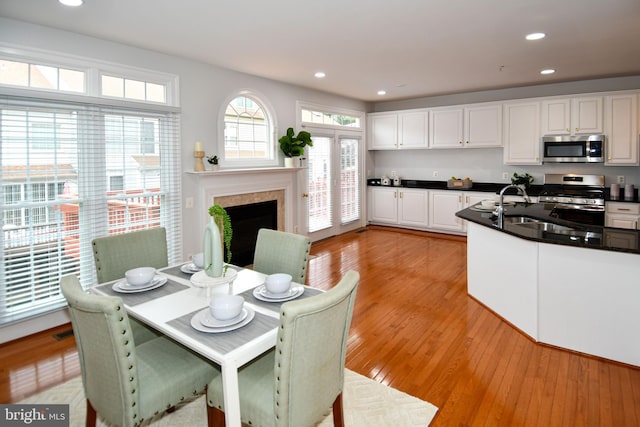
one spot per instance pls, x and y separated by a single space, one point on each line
534 224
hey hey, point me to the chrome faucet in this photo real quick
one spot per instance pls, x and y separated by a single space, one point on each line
499 212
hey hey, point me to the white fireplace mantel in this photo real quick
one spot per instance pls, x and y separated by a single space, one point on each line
230 182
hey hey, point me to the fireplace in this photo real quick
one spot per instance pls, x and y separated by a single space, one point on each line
249 212
246 220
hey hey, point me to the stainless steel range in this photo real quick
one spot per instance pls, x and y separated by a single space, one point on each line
578 198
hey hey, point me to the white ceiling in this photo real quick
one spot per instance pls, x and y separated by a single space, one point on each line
410 48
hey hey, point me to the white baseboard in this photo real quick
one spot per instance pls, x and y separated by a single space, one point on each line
33 325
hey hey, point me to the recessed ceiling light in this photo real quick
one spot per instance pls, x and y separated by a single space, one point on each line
382 92
548 71
535 36
71 2
320 75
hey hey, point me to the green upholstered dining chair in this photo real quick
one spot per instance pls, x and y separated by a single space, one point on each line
282 252
295 384
114 255
126 382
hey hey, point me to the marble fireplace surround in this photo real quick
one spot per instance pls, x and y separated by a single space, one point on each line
240 187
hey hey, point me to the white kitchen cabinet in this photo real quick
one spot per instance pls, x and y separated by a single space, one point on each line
470 126
622 130
413 129
446 128
383 205
413 207
401 206
572 116
443 206
522 134
398 130
622 215
383 131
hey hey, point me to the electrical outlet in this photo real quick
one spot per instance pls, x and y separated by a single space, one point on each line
505 175
435 174
620 179
188 203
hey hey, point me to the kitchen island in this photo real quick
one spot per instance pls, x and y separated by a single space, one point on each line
572 286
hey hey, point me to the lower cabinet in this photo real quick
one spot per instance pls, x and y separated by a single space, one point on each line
622 215
398 206
444 205
422 209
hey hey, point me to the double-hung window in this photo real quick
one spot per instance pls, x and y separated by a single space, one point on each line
75 168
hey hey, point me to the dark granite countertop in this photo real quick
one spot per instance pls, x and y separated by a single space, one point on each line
575 234
487 187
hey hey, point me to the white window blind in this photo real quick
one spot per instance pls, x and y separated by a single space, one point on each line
320 183
349 180
72 172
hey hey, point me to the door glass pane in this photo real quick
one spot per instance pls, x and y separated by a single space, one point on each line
349 186
319 184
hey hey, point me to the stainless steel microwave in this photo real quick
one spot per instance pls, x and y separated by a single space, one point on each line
573 149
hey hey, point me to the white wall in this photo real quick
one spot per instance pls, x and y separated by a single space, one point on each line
486 165
481 165
203 89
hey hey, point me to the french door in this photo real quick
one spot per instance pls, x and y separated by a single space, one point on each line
334 182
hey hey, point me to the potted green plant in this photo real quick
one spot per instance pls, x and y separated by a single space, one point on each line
292 145
522 180
213 161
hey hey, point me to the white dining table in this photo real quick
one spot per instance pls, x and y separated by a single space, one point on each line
169 310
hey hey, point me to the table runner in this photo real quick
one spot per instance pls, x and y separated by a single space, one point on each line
226 341
248 297
132 299
175 271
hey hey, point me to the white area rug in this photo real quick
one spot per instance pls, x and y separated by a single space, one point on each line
366 403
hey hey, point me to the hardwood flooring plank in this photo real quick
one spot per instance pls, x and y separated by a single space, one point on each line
415 328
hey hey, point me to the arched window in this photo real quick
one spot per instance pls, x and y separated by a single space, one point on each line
248 132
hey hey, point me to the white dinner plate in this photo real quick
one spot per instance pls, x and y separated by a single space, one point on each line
262 294
190 268
211 322
196 322
124 287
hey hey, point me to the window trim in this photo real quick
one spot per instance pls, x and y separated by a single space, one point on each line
273 127
93 69
300 105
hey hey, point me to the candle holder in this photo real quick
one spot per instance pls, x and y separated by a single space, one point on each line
199 165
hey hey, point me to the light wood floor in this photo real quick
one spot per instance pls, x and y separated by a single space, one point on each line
416 329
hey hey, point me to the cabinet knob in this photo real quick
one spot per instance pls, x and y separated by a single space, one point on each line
568 130
577 129
305 194
460 142
467 142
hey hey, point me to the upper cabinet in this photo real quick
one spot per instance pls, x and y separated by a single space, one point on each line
383 131
413 129
390 131
622 129
470 126
522 133
572 116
